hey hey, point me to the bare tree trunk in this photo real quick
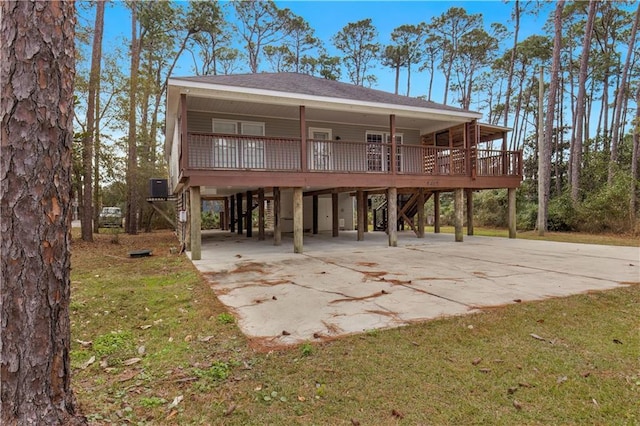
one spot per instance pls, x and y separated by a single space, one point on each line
37 76
408 78
516 30
558 140
132 156
620 99
515 136
96 164
447 77
430 83
88 140
635 153
397 80
606 142
544 161
577 146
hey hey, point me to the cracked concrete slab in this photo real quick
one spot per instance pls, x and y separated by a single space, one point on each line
342 286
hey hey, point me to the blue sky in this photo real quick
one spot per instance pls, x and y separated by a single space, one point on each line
329 17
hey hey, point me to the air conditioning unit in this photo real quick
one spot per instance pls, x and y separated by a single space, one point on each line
158 188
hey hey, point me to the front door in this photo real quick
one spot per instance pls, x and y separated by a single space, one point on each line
320 142
375 152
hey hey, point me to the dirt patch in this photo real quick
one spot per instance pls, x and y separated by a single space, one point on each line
250 267
268 344
332 328
367 264
372 275
383 313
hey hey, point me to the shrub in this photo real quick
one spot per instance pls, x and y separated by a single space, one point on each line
491 208
607 209
210 220
527 216
562 216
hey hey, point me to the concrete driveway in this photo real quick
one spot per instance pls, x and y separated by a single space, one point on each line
341 286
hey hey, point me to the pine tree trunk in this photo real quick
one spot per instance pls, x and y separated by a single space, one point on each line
615 128
96 164
544 161
88 140
516 30
132 154
577 147
633 200
397 77
37 77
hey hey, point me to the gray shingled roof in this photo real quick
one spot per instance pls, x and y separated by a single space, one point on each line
314 86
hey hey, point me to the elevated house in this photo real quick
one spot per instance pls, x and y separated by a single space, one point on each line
299 149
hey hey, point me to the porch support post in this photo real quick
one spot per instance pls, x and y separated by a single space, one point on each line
277 228
365 199
505 158
225 223
458 212
232 214
297 220
315 215
511 193
335 225
196 222
392 222
249 214
184 137
436 212
187 231
239 212
304 166
392 132
450 152
360 213
469 193
261 214
420 207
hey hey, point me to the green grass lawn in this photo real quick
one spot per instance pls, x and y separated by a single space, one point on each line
568 237
153 345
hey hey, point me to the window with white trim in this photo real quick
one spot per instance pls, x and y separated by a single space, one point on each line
252 149
244 152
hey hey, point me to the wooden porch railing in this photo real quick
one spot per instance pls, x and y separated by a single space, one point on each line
218 151
235 152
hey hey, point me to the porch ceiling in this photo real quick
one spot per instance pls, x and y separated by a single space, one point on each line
317 113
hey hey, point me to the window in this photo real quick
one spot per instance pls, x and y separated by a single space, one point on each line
252 128
252 149
234 152
225 126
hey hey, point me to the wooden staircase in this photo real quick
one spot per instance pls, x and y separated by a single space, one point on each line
407 210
